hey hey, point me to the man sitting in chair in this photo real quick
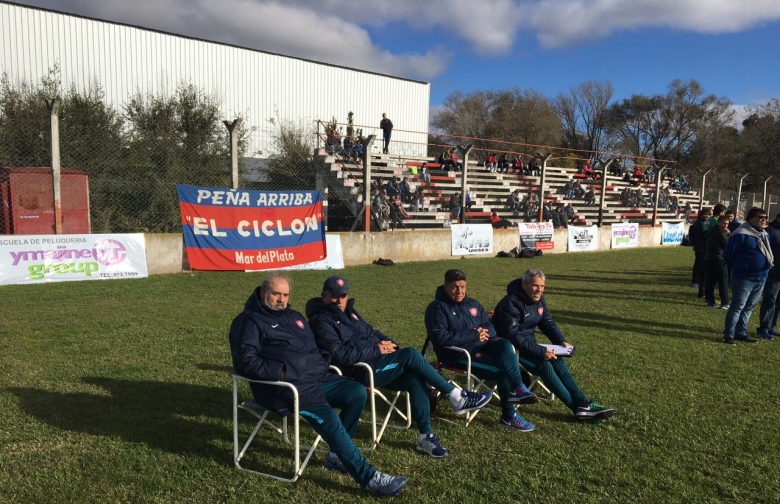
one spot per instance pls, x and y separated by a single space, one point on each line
269 341
349 339
456 320
516 318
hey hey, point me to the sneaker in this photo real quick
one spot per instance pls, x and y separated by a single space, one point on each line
518 423
522 395
729 341
764 334
725 306
384 485
593 410
711 305
469 401
429 445
773 332
745 339
333 463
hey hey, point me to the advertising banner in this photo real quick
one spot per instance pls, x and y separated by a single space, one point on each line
537 235
583 239
35 259
625 235
240 229
470 239
335 259
672 233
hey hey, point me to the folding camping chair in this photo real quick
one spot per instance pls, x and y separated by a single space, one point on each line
261 415
450 373
535 382
378 430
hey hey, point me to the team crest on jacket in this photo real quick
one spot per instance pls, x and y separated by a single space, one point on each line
299 323
473 312
355 317
540 310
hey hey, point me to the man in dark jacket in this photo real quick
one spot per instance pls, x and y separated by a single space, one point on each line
269 341
455 320
349 339
769 309
750 257
716 271
698 241
516 317
386 125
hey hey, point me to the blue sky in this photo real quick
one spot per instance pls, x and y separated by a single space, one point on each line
640 46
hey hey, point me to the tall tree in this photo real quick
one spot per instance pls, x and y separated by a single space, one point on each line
584 116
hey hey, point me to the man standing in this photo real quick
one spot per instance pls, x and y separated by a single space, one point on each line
349 339
750 256
269 341
516 317
698 239
769 308
386 125
453 319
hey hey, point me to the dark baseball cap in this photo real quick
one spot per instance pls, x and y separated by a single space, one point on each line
336 285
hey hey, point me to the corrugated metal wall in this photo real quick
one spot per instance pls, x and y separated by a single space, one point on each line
126 60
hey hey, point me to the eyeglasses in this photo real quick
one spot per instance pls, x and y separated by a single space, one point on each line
761 217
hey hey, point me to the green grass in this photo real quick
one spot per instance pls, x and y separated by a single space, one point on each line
118 391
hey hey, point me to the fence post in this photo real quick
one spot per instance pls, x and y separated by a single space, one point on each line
602 203
701 192
763 196
233 128
369 142
56 174
542 177
660 176
466 151
739 195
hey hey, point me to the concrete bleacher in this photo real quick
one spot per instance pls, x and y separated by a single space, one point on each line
490 191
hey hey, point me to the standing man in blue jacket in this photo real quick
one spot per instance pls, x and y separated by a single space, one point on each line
386 125
456 320
269 341
516 317
749 254
349 339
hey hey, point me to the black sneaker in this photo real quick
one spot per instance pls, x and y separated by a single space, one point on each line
745 339
729 341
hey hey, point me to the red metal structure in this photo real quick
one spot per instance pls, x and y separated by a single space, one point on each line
28 202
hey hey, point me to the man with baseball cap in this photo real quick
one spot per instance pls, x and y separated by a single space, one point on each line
349 339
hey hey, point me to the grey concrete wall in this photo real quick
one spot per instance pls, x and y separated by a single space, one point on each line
165 252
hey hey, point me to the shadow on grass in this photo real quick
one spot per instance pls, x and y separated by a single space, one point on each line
628 326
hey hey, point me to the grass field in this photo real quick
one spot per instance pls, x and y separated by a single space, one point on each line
119 391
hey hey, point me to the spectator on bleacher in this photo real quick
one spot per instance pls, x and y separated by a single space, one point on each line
353 149
649 174
625 196
392 188
587 169
531 208
568 190
590 196
381 206
516 318
469 201
424 175
270 341
749 254
345 335
413 170
503 163
454 319
579 191
571 214
453 160
616 168
513 202
397 212
715 270
561 211
418 200
638 175
547 211
334 142
492 163
533 167
698 239
498 222
454 205
768 312
405 190
674 203
518 165
663 198
386 125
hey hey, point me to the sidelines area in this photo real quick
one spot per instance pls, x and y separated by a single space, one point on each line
120 391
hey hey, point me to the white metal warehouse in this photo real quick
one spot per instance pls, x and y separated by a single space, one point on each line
255 84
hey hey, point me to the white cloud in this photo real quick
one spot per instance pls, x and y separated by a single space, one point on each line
334 30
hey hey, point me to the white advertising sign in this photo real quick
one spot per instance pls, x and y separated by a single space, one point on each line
625 235
582 239
537 235
672 233
472 239
334 260
34 259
